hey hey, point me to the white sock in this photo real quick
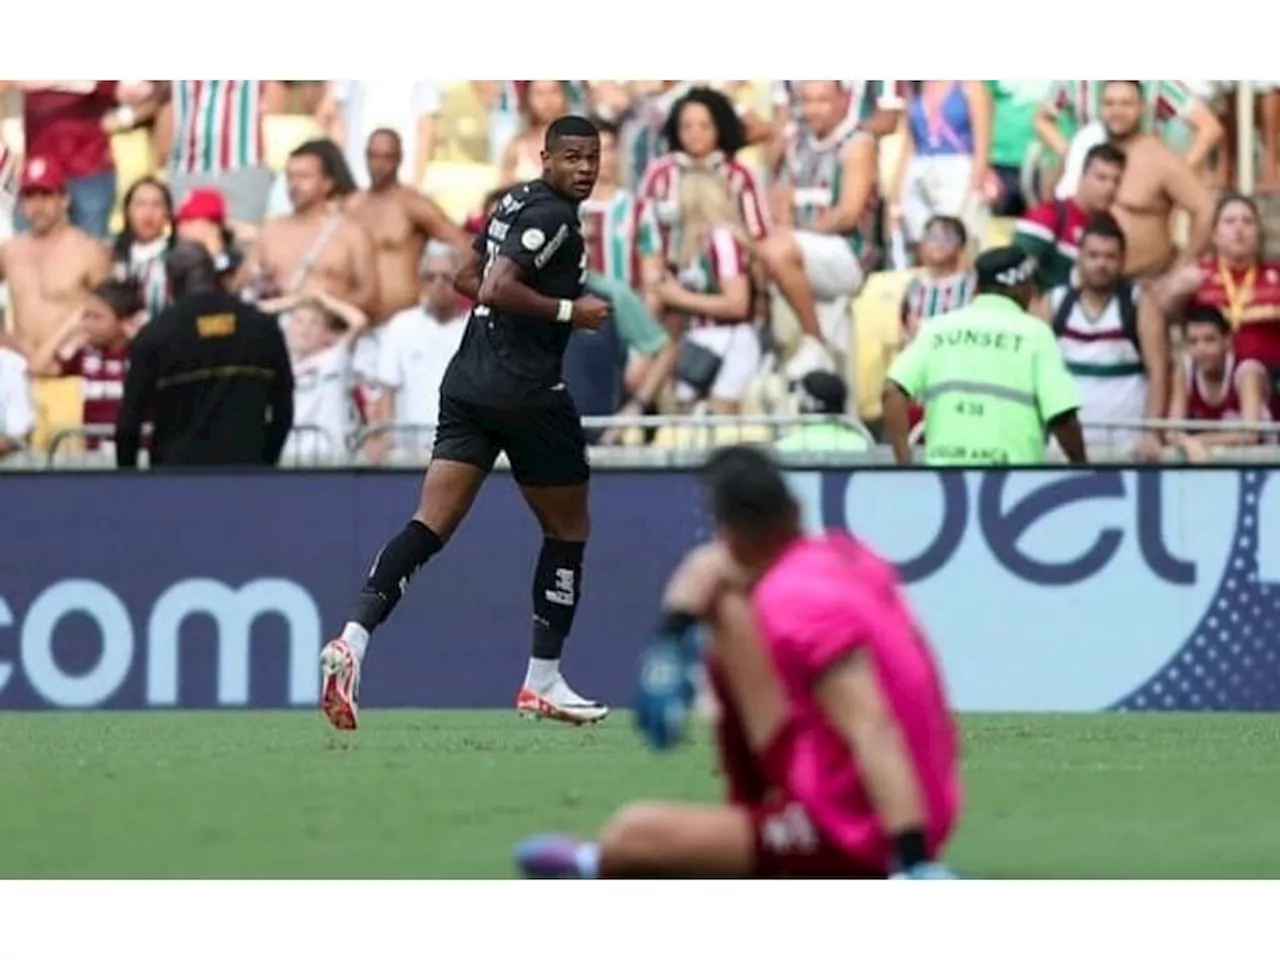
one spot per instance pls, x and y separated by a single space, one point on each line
588 861
542 674
357 638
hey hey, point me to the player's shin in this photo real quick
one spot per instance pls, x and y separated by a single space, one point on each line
557 587
399 559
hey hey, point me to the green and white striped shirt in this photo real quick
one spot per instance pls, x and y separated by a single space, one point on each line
217 126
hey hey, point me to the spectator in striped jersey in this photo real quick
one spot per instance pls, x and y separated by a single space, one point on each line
541 102
8 191
1051 231
1069 121
946 284
875 106
139 249
211 132
706 134
709 289
827 203
1114 341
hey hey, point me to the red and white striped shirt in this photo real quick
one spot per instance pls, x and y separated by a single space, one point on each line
659 194
217 126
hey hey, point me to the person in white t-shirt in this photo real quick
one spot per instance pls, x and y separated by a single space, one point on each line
17 409
319 330
416 347
409 107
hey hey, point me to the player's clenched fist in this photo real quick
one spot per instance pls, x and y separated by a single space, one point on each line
589 312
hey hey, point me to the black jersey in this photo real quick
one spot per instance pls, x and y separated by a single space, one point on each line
509 358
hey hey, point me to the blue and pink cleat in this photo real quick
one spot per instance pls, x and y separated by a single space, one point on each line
555 857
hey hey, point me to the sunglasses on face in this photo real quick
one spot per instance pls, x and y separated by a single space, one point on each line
437 277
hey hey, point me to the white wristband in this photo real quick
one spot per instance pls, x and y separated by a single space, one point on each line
565 313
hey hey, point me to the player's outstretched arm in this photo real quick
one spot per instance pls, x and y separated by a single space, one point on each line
853 703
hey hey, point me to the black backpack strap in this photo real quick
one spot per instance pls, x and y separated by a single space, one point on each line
1063 313
1129 313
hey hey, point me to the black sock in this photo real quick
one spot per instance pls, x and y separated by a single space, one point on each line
557 585
400 558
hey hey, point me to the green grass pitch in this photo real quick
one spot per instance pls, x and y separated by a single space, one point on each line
446 795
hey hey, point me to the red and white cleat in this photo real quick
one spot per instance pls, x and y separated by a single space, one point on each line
340 684
560 704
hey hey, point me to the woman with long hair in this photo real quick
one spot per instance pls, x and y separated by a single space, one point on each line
708 287
541 102
1238 280
706 134
138 251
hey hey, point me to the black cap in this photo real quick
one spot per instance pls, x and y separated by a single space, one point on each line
1004 268
821 392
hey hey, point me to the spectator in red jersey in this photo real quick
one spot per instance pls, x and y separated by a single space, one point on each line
94 345
67 121
138 251
1051 232
1239 281
1211 384
709 290
706 134
541 101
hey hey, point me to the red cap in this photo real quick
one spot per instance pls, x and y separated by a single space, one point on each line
203 203
41 174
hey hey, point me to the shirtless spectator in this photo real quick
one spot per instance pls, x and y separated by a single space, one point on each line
825 206
1080 104
1210 384
407 108
315 249
1156 182
17 407
400 221
1051 232
50 269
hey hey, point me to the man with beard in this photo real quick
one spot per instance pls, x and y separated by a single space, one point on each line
1156 182
399 221
316 248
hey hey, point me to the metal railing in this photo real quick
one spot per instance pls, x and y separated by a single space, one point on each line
308 446
651 442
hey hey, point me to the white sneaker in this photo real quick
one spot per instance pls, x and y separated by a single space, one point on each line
340 684
559 702
811 355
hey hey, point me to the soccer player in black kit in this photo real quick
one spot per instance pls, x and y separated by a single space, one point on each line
503 392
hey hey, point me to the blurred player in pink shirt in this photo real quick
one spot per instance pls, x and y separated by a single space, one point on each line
838 749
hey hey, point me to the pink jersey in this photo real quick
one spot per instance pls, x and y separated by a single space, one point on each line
824 599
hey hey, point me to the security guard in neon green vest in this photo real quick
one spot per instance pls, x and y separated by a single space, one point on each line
990 377
822 392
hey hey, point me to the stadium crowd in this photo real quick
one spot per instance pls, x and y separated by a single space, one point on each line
767 246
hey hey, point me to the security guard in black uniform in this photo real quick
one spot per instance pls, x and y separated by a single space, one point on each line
210 372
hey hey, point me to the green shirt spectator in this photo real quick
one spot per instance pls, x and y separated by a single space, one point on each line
990 377
1014 104
820 392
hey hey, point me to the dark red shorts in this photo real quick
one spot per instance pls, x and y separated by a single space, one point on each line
790 847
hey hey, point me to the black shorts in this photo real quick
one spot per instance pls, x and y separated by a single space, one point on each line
544 443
